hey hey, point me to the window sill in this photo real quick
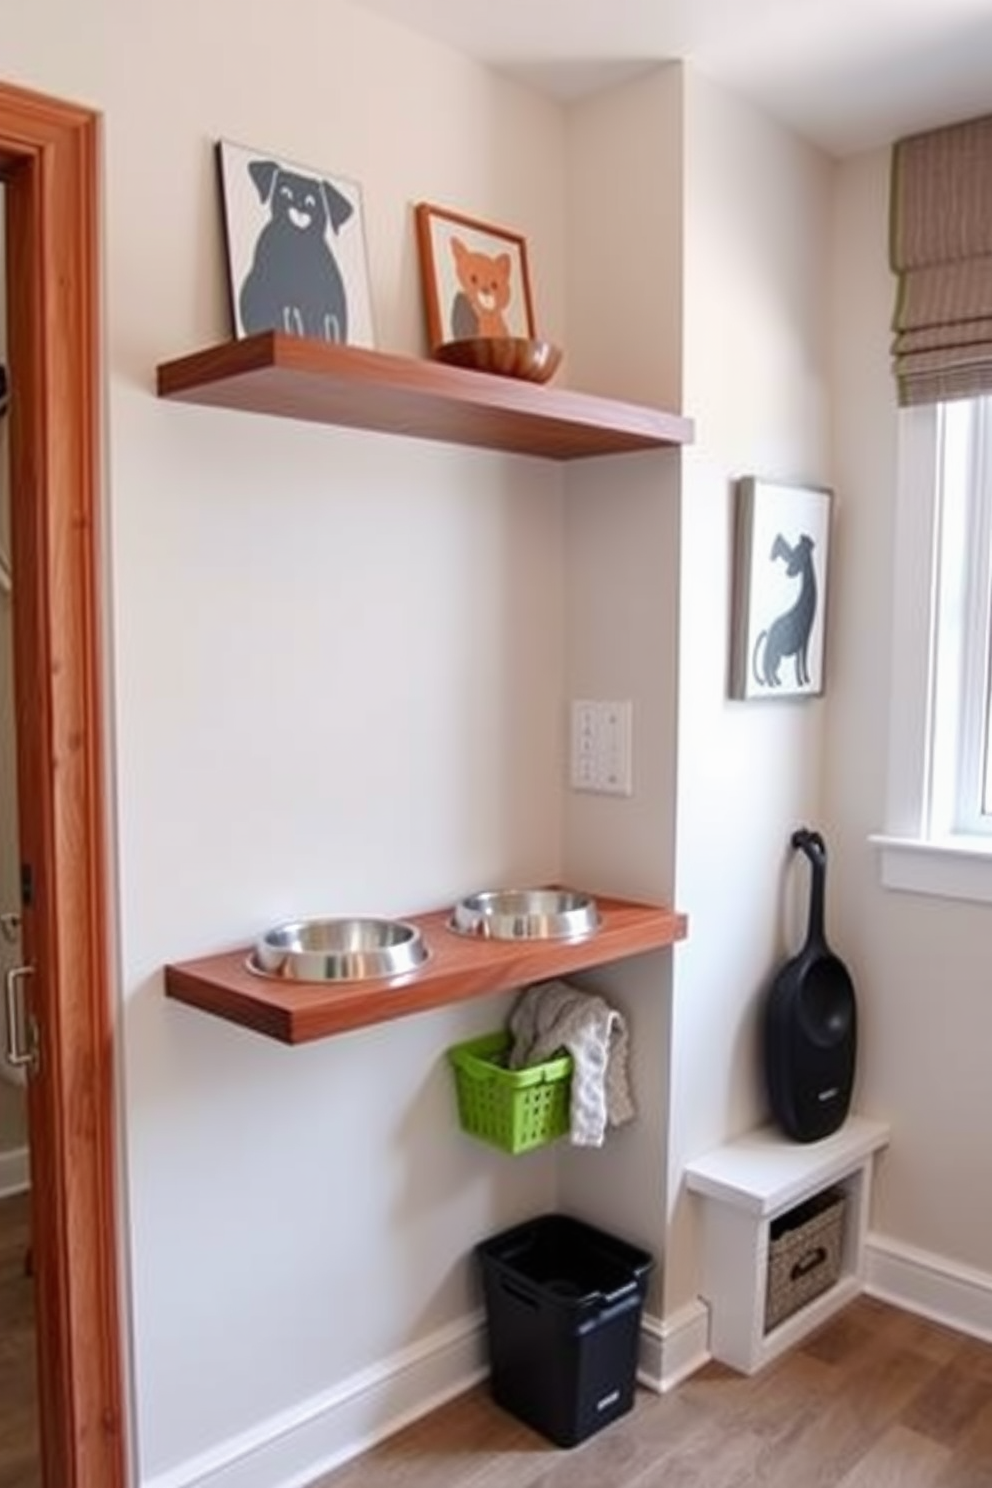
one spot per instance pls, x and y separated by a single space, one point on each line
952 868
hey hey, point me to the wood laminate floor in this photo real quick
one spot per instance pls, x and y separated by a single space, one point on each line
19 1466
875 1399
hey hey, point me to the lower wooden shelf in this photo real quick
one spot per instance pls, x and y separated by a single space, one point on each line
458 968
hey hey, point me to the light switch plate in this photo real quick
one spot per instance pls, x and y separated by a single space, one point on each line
602 747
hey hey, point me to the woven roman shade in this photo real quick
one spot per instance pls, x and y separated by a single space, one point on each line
941 250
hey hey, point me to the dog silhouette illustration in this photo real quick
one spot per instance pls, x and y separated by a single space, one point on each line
294 283
789 633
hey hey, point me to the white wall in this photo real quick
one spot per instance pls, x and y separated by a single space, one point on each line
624 240
718 223
920 964
756 242
338 687
340 669
339 663
621 515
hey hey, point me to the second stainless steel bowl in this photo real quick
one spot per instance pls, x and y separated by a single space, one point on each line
527 914
339 950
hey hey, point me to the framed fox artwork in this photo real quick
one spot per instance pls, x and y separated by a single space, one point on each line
475 277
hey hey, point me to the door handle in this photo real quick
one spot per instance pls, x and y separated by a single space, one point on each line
22 1028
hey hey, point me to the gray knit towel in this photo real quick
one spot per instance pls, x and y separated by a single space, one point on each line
555 1015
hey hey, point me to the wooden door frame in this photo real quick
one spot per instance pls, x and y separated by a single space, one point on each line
48 162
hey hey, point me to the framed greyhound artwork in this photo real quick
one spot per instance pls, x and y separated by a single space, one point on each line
295 248
781 546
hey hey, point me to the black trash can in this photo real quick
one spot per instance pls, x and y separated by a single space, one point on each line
563 1309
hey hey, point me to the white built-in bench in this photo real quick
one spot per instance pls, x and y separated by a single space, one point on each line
745 1185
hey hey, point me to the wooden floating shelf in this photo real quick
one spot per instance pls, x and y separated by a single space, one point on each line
294 377
459 967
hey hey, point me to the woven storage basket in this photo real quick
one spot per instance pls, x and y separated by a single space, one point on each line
512 1109
804 1254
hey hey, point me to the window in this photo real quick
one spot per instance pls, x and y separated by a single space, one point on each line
939 837
960 788
939 811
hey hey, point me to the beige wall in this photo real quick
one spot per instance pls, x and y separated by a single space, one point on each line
718 221
624 240
756 237
337 686
621 544
340 673
339 683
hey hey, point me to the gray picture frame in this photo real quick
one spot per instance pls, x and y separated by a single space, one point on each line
781 555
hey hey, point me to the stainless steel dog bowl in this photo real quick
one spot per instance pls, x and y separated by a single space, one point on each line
339 950
526 914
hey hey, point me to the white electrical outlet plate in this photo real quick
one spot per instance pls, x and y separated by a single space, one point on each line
602 752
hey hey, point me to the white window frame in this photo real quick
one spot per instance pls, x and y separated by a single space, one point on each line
932 843
972 813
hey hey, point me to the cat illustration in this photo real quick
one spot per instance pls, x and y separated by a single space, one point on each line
477 309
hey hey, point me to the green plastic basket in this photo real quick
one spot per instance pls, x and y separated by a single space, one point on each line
514 1110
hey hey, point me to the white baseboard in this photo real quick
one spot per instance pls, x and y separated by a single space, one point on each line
930 1285
674 1347
291 1449
14 1177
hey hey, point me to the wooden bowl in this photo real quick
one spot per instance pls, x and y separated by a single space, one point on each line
530 359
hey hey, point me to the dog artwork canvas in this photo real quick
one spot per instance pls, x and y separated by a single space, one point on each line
781 543
295 248
475 277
